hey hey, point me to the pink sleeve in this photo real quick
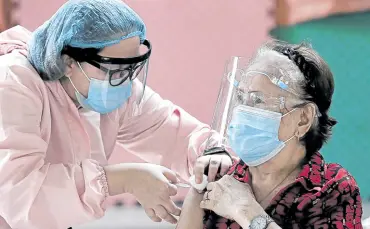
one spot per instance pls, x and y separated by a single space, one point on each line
14 39
163 134
33 193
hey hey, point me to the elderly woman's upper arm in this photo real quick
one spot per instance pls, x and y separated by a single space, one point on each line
191 213
350 202
347 212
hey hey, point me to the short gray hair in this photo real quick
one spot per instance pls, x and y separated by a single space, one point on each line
313 82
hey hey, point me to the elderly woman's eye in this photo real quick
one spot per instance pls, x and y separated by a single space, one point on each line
240 98
256 99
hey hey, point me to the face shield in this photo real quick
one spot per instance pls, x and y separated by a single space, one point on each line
122 71
116 73
244 86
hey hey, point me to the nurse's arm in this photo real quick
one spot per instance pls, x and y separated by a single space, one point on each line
35 193
162 134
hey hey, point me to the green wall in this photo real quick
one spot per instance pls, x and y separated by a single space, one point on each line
344 42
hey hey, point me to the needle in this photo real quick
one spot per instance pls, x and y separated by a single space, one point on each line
182 185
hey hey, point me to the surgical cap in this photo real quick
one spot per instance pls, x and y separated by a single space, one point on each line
81 24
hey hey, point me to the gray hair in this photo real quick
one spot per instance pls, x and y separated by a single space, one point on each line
311 80
279 66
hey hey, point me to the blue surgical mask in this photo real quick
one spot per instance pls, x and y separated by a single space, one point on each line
102 97
253 134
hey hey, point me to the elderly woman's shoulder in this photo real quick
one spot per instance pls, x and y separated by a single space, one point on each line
340 179
328 176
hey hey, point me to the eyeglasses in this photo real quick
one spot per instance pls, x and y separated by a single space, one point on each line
119 76
268 102
116 76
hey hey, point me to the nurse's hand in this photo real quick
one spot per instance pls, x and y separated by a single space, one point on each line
216 164
152 185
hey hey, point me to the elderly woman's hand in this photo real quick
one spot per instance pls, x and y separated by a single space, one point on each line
231 199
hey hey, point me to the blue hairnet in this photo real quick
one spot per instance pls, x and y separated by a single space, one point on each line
82 24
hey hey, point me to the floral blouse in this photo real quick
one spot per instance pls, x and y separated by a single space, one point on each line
323 196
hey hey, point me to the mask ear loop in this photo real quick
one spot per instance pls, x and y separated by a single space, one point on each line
83 72
282 106
73 85
295 134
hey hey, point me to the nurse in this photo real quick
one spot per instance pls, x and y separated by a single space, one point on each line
71 93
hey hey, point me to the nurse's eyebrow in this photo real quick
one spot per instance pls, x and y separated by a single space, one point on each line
114 66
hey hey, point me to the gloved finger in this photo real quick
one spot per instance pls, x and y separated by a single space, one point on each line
171 207
162 212
170 175
151 214
214 165
199 168
225 165
172 189
178 175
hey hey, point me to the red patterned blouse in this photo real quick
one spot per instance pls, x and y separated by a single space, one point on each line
322 196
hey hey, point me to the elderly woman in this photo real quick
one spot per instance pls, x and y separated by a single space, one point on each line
278 124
